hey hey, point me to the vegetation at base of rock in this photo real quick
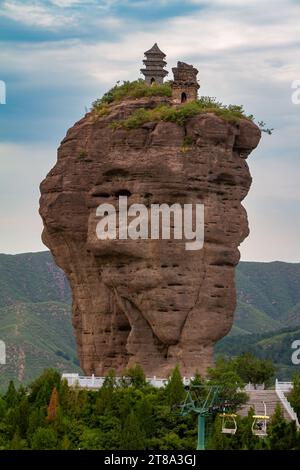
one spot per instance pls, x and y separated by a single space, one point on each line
129 90
180 114
130 414
247 369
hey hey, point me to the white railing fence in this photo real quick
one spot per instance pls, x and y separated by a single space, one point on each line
94 382
281 388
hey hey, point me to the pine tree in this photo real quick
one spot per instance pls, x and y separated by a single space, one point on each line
2 408
65 443
22 413
197 380
11 396
104 396
42 387
16 442
136 376
282 434
44 439
145 416
133 437
53 406
110 380
276 429
64 396
37 419
294 395
175 389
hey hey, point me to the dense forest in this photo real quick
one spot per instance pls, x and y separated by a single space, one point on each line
129 414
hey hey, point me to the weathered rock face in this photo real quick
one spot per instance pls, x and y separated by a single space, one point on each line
149 301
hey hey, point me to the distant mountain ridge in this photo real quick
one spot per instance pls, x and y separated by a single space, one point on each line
35 314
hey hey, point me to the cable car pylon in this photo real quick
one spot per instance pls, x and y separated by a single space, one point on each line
202 404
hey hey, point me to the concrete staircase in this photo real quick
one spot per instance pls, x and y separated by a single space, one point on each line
256 399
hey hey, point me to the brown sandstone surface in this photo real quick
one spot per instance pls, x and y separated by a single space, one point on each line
149 301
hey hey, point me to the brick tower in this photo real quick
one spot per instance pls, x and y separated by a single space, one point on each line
185 85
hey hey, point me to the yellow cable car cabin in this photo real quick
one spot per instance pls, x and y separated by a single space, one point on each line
259 426
229 425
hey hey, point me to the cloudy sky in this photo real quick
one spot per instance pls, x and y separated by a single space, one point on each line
58 56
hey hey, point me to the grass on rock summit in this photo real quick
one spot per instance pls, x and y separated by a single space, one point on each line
162 112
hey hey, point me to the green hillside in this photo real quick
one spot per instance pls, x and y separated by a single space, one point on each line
291 317
35 315
35 320
268 309
273 288
31 277
271 345
252 320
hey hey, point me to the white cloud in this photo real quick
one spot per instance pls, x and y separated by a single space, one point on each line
235 3
34 14
71 3
245 52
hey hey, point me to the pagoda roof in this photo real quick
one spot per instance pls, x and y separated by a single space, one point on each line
155 50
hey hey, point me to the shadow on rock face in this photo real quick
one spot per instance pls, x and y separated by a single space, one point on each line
150 302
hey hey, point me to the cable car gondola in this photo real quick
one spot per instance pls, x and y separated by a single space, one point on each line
259 425
229 425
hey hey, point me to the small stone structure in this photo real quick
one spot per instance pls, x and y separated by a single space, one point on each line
185 85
